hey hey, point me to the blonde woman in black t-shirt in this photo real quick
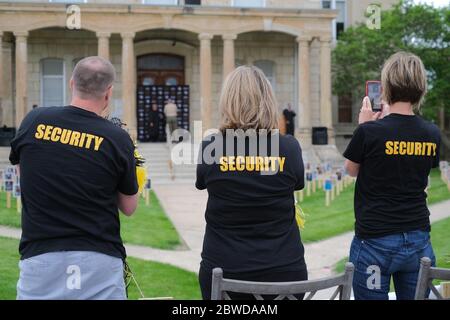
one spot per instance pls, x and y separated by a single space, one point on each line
392 153
250 172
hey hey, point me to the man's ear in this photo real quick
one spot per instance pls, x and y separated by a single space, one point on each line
71 84
109 93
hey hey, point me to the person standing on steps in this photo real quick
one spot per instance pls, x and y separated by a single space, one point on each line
171 113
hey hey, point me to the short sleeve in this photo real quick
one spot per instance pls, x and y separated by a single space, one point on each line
200 182
438 148
19 139
128 182
299 169
355 149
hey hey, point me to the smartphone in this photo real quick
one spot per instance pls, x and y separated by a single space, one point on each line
373 91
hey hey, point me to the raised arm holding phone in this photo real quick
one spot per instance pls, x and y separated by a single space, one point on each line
392 152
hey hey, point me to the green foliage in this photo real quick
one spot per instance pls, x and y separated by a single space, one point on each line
421 29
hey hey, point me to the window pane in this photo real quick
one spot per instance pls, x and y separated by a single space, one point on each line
249 3
340 5
52 67
192 2
326 4
53 91
148 81
171 81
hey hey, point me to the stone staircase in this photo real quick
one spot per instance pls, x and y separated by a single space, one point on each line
4 157
159 167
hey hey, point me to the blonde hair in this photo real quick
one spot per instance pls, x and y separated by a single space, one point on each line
247 101
404 79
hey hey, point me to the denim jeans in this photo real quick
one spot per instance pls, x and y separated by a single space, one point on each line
398 256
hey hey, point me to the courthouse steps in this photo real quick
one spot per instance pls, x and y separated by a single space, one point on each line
157 157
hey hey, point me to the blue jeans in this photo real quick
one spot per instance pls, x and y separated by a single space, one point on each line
377 259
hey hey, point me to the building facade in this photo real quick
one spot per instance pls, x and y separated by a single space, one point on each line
191 43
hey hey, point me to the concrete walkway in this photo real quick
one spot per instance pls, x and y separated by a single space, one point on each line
185 207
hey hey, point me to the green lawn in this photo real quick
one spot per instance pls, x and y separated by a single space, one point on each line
324 222
149 225
440 239
155 279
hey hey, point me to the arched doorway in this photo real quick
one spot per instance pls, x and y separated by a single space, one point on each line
160 69
160 78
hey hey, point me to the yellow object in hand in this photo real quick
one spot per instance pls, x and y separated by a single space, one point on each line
300 217
141 175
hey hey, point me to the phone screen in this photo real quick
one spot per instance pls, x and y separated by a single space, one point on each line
373 91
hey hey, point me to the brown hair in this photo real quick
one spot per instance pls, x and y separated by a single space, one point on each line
247 101
404 79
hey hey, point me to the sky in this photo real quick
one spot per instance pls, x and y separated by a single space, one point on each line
436 3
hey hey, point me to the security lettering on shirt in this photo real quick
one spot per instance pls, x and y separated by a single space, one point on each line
252 163
410 148
67 136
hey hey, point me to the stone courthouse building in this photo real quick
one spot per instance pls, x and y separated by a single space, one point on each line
190 43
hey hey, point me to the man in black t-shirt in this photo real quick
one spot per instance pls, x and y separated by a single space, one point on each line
392 158
76 170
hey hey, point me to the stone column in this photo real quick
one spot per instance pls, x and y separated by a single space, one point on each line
326 113
205 79
228 53
103 44
21 75
129 83
304 106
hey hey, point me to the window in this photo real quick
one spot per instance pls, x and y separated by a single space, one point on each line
192 2
249 3
52 83
326 4
341 18
340 21
268 67
345 109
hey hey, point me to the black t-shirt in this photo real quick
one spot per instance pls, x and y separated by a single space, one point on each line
72 164
396 155
250 214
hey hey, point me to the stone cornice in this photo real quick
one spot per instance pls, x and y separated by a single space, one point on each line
175 10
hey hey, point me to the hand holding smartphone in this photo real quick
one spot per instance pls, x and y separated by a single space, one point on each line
373 91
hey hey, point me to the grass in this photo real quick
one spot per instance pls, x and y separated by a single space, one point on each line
440 239
324 222
155 279
149 226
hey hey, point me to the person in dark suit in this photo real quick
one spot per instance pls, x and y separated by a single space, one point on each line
154 123
289 115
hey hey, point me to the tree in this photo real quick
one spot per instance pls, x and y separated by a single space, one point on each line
421 29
